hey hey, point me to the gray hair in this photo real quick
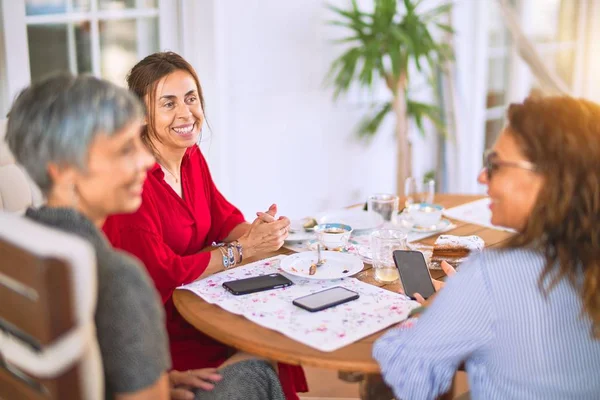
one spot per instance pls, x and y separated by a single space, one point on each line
56 120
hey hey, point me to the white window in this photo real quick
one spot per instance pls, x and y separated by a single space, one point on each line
557 29
102 37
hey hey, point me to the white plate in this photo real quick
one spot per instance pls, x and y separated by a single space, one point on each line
299 236
335 264
407 223
366 253
297 232
357 219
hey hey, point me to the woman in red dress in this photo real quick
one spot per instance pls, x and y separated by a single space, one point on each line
183 213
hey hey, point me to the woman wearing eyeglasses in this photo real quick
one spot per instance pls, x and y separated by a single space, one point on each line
524 319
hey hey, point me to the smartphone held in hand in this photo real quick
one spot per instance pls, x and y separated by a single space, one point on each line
414 273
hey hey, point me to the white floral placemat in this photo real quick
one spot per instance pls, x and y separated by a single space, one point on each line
326 330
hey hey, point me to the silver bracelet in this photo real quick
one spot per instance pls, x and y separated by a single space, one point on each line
240 250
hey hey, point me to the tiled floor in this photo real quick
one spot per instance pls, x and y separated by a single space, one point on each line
325 385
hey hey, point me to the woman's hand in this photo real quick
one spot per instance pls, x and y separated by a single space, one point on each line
183 382
438 285
266 234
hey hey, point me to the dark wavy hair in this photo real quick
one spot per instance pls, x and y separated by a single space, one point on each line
143 80
561 136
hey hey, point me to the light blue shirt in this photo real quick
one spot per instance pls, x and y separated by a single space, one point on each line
515 342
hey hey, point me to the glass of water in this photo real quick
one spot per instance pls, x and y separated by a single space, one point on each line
383 244
416 192
383 204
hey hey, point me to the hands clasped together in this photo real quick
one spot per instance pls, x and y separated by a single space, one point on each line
266 234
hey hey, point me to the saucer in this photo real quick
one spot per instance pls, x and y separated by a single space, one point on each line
365 253
312 245
409 224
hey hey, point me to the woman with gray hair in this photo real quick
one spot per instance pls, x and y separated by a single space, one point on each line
79 140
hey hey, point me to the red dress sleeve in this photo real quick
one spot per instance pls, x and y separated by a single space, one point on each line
168 233
139 235
224 215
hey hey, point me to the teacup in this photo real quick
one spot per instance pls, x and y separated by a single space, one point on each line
425 214
333 236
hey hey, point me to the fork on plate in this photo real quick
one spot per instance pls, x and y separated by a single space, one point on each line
320 261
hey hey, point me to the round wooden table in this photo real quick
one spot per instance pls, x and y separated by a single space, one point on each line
242 334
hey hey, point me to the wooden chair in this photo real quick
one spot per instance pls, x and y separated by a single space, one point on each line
48 290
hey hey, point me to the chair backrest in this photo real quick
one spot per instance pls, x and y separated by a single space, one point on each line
17 190
48 291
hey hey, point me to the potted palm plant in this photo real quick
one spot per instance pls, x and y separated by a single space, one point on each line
383 45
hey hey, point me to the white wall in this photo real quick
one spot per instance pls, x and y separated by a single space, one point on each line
280 136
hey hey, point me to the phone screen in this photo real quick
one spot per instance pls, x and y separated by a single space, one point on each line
326 298
414 273
257 284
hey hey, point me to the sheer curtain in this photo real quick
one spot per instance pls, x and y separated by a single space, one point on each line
549 81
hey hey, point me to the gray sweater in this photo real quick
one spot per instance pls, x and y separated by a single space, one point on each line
130 321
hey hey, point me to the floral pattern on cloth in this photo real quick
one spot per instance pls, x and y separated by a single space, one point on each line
326 330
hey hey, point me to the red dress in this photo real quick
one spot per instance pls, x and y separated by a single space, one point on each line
166 234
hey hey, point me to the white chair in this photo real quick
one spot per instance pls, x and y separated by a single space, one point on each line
17 190
48 291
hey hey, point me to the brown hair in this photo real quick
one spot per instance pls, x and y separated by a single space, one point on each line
561 136
143 80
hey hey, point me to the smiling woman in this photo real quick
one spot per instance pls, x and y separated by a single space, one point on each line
183 215
512 181
79 140
175 122
529 310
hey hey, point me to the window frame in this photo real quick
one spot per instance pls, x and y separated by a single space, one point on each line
520 79
15 23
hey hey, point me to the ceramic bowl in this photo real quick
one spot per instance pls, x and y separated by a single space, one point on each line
333 236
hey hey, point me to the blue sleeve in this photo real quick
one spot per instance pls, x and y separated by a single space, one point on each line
420 362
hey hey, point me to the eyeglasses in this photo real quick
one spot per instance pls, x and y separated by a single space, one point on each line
491 164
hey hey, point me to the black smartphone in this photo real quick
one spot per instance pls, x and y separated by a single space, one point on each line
325 298
414 273
257 284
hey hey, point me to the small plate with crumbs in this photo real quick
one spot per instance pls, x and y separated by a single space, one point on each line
336 265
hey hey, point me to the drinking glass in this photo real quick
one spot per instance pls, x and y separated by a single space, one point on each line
383 204
383 244
415 192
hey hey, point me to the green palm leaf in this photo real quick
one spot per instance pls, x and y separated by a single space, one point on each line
369 124
386 42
